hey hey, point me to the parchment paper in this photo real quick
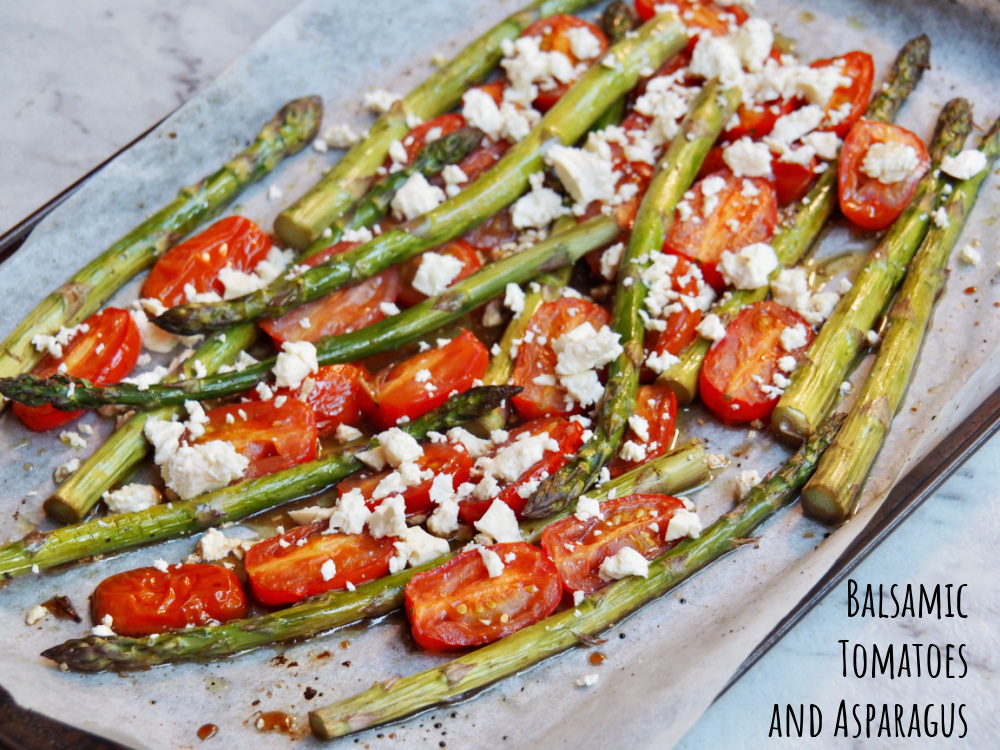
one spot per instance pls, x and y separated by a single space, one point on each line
665 665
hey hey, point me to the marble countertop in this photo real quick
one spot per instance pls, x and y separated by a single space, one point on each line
80 81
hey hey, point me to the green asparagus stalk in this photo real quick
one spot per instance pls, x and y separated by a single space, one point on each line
618 19
120 453
292 127
496 188
386 702
832 494
798 232
678 471
816 383
332 197
677 171
385 335
42 550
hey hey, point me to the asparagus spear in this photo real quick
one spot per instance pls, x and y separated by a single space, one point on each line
332 197
798 233
112 462
386 702
816 383
385 335
678 471
677 170
566 122
292 127
618 19
832 493
123 531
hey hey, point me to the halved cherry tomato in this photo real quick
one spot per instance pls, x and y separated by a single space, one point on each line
568 435
271 437
758 120
147 600
417 138
736 221
459 249
332 394
682 325
233 241
860 68
104 355
579 547
865 201
554 33
657 404
395 393
457 604
700 14
746 358
339 312
536 358
792 181
479 161
440 458
289 567
497 230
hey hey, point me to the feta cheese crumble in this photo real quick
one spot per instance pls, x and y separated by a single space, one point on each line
964 166
296 361
436 272
626 562
131 498
416 197
889 163
579 351
750 267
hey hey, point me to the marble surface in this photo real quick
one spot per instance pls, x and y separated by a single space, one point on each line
79 82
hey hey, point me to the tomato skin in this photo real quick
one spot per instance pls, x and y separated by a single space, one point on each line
751 347
231 241
628 522
441 458
866 201
569 436
551 320
146 600
334 397
758 121
553 31
339 312
459 249
281 571
112 328
792 181
527 591
416 139
860 68
393 392
657 404
705 240
272 437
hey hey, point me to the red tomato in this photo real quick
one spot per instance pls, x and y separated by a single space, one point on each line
271 437
440 458
146 600
758 121
865 201
497 230
792 181
859 67
395 393
233 241
536 358
459 249
657 404
104 355
746 358
457 604
568 435
636 521
736 221
714 162
417 138
682 325
554 33
698 14
339 312
288 568
479 161
332 394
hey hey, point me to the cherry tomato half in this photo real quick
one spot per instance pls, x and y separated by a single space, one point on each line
441 458
747 357
868 202
418 137
289 567
395 393
271 437
233 241
147 600
104 355
577 548
457 249
497 230
657 404
736 221
681 325
554 32
792 181
339 312
457 604
697 14
536 358
860 68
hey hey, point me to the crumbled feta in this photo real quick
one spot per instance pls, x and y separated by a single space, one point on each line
793 126
388 519
399 447
492 561
513 298
36 614
711 328
683 523
610 259
328 570
579 351
388 309
164 437
793 337
587 680
632 451
63 471
588 507
415 547
499 523
53 345
715 57
585 175
131 498
640 426
752 42
214 545
274 193
716 461
626 562
473 445
416 197
537 208
660 363
748 159
788 363
890 162
345 433
964 166
750 267
582 43
143 380
970 256
746 481
435 273
826 144
940 217
296 361
380 101
193 470
340 136
104 628
312 514
443 522
197 419
350 514
373 457
73 439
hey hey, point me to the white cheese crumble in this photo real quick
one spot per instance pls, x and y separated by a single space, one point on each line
587 680
583 44
964 166
579 351
513 298
415 547
626 562
750 267
328 570
214 545
296 361
473 445
793 337
585 175
537 208
499 523
380 101
711 328
889 163
73 439
416 197
64 471
346 434
970 256
131 498
436 272
36 614
683 523
492 561
748 159
53 345
399 447
610 259
340 136
660 363
588 507
940 217
388 519
640 426
746 481
193 470
104 628
350 514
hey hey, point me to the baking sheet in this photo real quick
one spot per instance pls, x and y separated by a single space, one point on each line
664 666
